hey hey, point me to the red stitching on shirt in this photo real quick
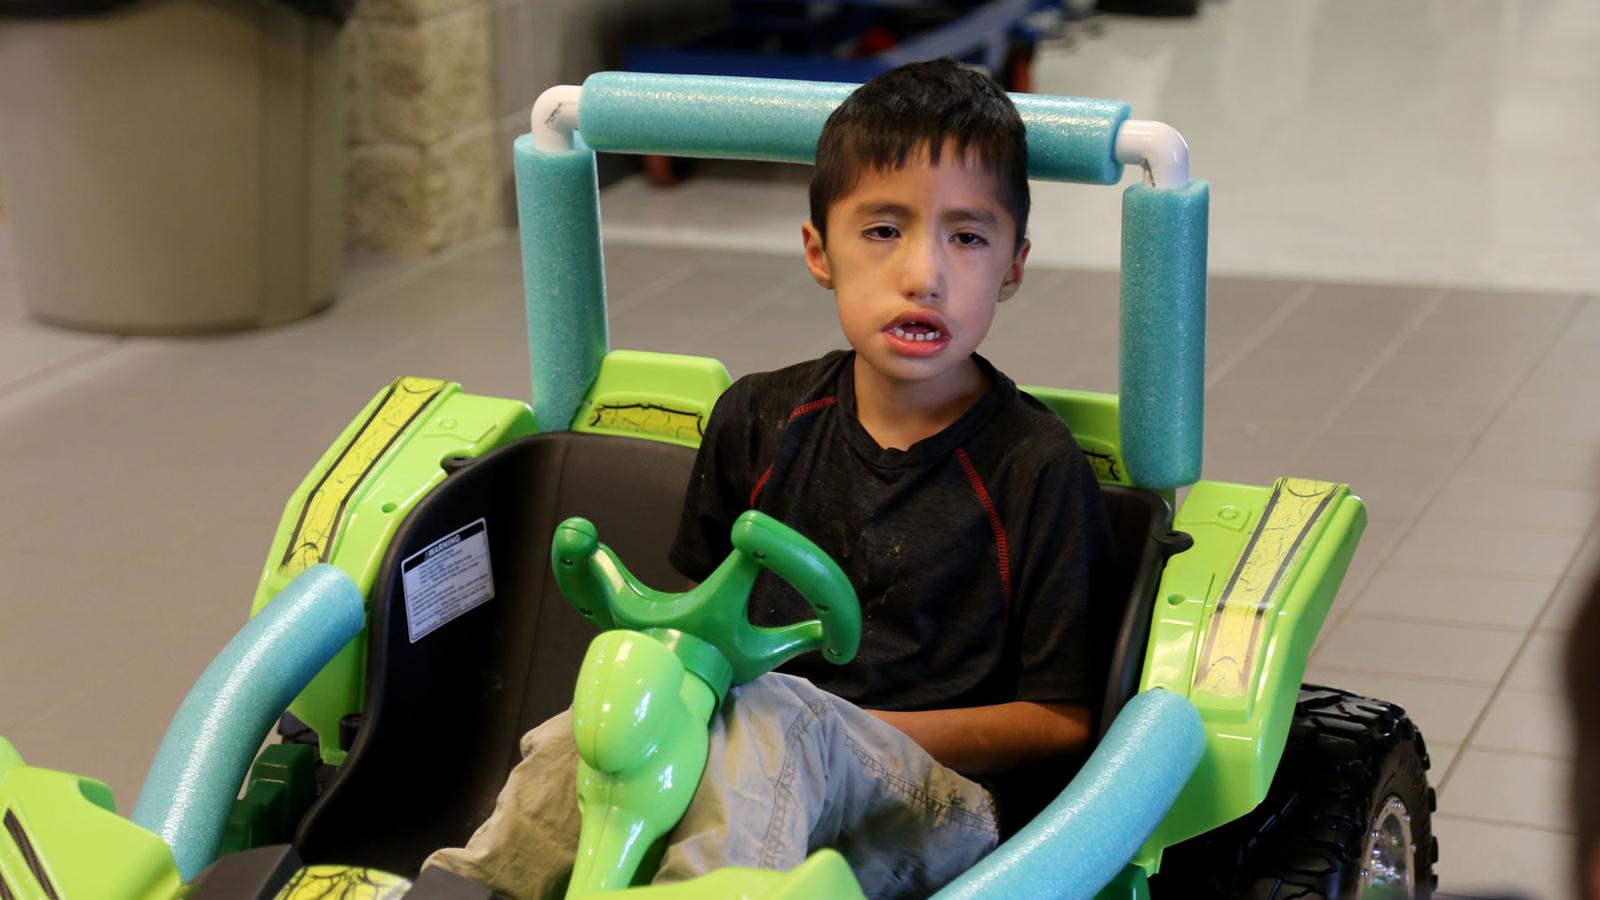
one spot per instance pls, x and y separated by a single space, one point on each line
994 523
760 483
797 412
813 406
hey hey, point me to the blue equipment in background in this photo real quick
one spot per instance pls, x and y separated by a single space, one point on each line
853 40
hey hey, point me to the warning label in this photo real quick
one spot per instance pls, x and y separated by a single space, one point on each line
447 578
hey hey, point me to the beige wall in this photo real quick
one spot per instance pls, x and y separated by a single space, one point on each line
437 90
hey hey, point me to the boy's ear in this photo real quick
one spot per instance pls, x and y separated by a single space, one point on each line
1013 279
816 256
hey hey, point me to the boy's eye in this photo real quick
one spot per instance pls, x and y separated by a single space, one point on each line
883 232
969 239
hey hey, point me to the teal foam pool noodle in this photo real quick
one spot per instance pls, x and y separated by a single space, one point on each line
1164 333
213 739
563 276
1069 138
1095 826
1072 138
768 119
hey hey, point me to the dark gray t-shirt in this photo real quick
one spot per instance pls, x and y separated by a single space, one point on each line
975 553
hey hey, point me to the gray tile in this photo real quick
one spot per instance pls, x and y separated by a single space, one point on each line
1378 411
1586 565
1454 597
1319 372
1361 643
1444 711
1268 404
30 350
1539 666
1441 756
1356 312
810 329
1566 365
1539 418
1368 561
1530 722
737 306
1437 365
1443 543
1389 492
1501 787
1394 475
367 271
1564 376
636 275
1490 501
1570 597
1060 330
1241 312
1249 452
1503 315
1495 859
495 259
1529 459
1573 355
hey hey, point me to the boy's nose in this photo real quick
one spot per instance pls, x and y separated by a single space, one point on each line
923 271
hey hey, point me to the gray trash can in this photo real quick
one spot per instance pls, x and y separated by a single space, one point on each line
173 165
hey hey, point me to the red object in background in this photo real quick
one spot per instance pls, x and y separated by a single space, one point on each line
874 41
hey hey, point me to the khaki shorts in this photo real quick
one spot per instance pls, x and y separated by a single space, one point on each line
792 769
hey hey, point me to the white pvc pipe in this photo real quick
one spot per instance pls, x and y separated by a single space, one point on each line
555 117
1158 148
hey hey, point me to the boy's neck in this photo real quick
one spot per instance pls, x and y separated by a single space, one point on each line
899 413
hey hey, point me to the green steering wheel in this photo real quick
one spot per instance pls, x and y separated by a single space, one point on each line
603 591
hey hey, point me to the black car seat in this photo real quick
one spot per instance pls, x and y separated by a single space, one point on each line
442 717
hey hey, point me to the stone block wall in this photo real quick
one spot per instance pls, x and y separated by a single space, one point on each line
438 89
422 162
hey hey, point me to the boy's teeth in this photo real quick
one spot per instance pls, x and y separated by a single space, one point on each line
900 332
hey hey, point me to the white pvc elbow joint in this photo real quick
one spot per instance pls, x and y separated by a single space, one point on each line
555 117
1158 148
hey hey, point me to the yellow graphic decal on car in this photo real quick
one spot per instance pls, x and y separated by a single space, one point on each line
343 883
1228 657
649 418
312 539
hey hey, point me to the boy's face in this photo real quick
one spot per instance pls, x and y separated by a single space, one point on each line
917 258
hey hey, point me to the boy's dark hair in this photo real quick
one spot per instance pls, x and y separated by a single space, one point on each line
917 105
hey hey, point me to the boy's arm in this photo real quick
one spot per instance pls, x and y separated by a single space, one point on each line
983 740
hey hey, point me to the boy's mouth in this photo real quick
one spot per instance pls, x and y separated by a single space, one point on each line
916 331
919 333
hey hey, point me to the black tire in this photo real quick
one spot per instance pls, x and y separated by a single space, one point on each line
1346 757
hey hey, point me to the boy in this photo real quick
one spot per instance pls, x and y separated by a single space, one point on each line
964 514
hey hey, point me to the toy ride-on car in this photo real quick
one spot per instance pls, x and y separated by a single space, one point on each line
412 621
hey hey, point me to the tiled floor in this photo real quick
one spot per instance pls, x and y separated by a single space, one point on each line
142 478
